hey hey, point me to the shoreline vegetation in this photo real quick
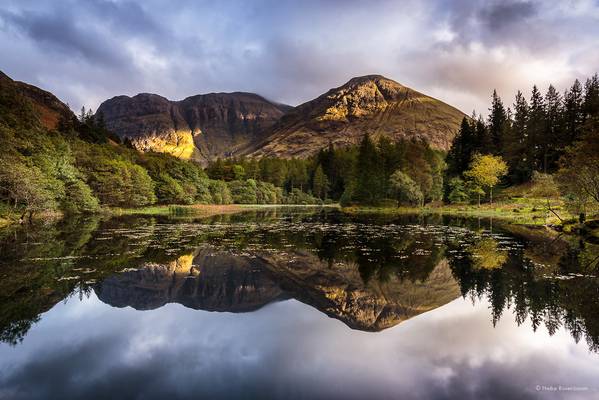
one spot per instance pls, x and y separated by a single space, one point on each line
537 165
530 213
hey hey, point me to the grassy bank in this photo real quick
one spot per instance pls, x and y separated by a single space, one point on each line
8 217
525 211
200 210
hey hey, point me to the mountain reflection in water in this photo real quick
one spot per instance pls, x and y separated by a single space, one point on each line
219 281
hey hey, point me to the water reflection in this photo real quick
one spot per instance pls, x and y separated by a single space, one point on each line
371 272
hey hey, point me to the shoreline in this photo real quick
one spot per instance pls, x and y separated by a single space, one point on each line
508 212
194 210
511 213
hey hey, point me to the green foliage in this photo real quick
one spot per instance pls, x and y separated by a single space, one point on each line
26 187
347 196
405 189
79 198
267 193
243 192
579 175
320 183
535 136
296 196
168 190
220 192
369 174
458 192
486 171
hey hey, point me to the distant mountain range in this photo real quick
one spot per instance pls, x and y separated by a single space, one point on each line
207 126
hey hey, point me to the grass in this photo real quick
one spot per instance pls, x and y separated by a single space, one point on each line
175 209
526 211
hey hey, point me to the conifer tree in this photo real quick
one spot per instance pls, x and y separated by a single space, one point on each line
460 154
320 183
551 143
591 104
483 142
369 174
515 148
535 131
498 123
573 113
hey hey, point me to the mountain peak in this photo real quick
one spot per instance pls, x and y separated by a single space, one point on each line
369 78
370 104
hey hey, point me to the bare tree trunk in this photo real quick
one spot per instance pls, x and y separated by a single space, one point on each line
550 209
491 194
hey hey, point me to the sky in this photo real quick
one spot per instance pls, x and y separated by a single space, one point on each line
289 350
292 51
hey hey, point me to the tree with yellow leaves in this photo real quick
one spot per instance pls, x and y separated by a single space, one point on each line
486 171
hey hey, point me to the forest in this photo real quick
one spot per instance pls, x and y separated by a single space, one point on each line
551 140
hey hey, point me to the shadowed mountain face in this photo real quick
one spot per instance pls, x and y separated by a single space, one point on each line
369 104
200 127
220 281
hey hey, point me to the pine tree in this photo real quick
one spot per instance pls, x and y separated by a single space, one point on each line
369 174
514 149
320 183
498 123
573 114
551 143
460 154
482 138
535 131
591 104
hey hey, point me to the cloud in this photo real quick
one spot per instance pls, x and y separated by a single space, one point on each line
291 51
58 32
285 350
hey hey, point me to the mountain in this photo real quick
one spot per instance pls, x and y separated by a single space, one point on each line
369 104
207 126
46 107
200 127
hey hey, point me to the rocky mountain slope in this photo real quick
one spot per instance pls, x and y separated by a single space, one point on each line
369 104
200 127
46 107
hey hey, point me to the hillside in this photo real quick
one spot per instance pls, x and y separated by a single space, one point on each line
369 104
32 103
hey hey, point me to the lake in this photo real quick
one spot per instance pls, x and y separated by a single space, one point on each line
296 303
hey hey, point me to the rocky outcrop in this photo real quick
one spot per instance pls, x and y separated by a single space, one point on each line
200 127
370 104
221 281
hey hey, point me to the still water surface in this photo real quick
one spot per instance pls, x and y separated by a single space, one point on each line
297 304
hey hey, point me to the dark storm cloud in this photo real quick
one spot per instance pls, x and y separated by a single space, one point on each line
289 51
57 31
505 14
